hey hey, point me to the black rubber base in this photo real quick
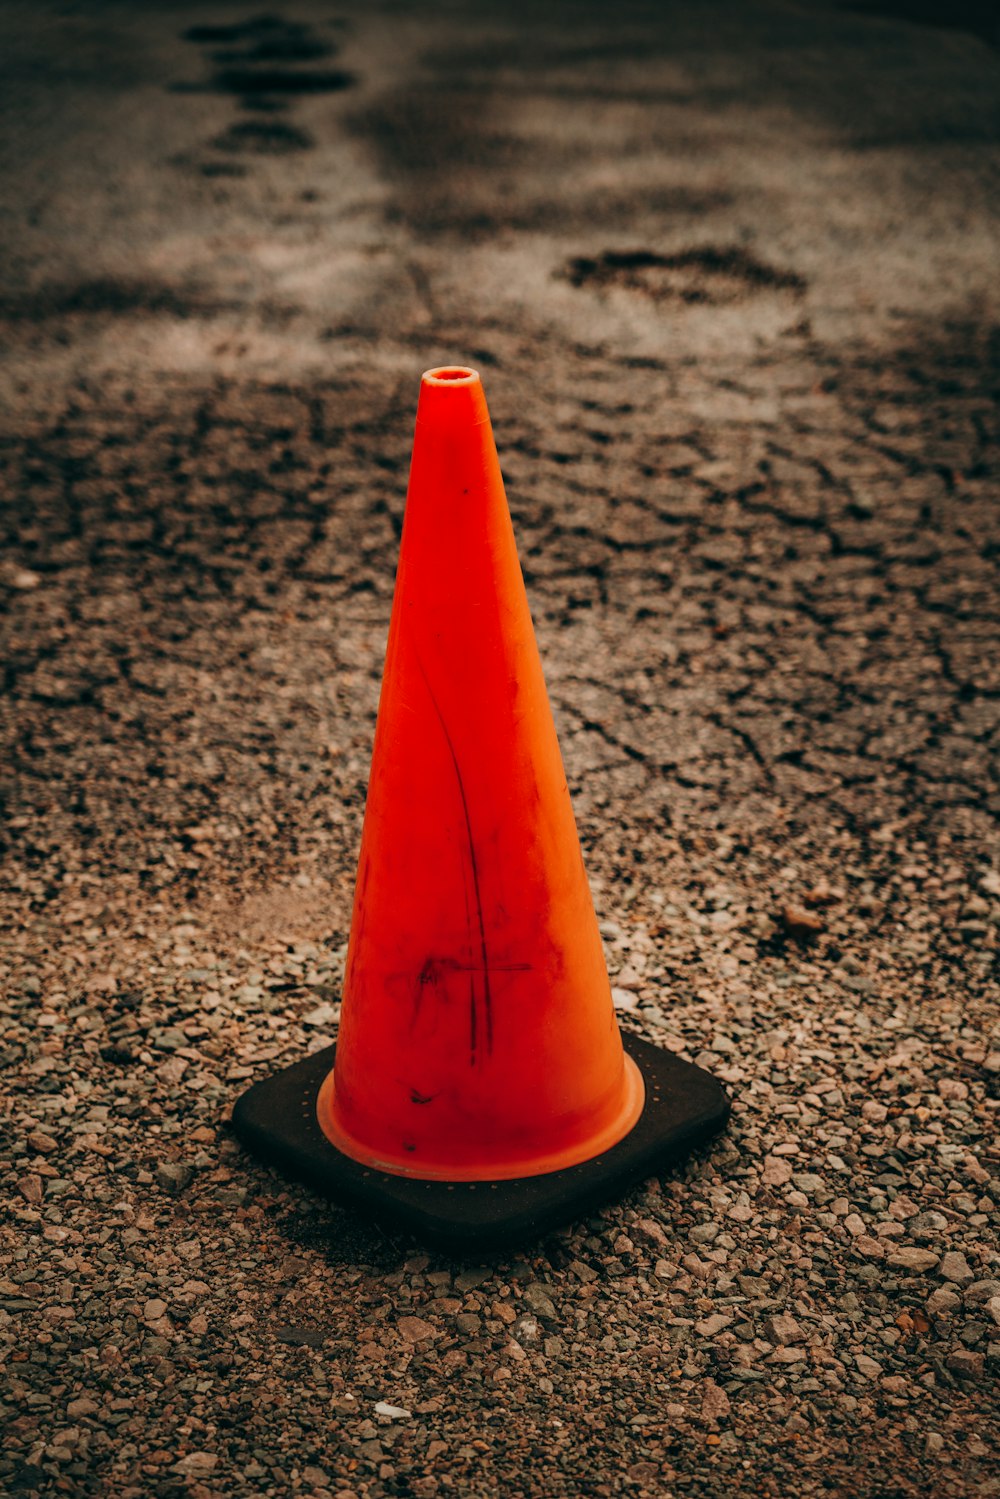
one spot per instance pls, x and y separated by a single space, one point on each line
276 1119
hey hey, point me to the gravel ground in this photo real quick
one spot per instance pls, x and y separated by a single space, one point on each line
730 277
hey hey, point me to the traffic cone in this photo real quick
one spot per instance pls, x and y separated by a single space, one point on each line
478 1045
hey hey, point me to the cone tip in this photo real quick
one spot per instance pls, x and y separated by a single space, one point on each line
451 393
450 375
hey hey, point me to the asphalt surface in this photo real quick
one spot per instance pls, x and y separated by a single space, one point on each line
729 275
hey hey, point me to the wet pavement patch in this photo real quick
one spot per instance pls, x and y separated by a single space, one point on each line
106 296
710 274
980 17
258 139
222 169
257 62
414 132
294 44
271 36
244 80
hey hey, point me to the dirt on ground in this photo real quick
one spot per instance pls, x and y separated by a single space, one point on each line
729 275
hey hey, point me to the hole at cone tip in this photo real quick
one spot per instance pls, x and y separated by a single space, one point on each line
451 374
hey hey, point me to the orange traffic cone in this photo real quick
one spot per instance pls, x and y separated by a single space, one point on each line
478 1040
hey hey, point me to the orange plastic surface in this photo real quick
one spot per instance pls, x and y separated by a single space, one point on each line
478 1038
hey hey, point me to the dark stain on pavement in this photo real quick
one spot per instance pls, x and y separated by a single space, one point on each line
108 297
979 17
251 81
430 133
222 169
709 274
264 38
256 63
291 44
484 214
447 153
208 35
259 138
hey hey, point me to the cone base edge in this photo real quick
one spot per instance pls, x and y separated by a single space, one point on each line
276 1120
540 1163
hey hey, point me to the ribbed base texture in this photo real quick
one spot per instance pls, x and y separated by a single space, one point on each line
276 1119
